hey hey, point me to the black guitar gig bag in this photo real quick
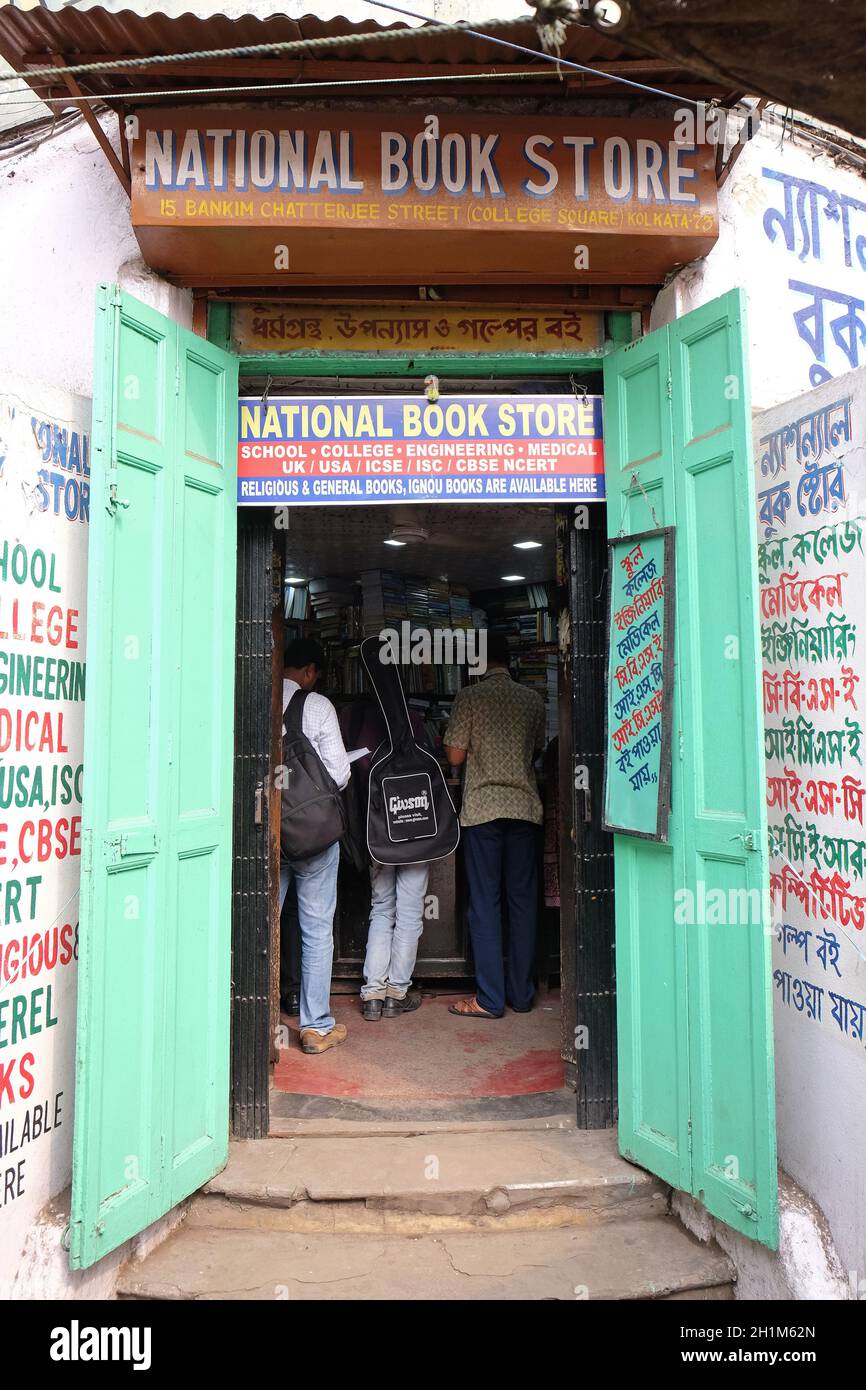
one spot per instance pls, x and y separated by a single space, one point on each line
410 815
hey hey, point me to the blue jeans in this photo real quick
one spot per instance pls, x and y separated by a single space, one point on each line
316 887
502 849
396 924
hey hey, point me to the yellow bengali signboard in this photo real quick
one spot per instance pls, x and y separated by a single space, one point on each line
364 328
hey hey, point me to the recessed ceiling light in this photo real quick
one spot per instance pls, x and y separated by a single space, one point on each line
293 579
512 578
527 545
392 541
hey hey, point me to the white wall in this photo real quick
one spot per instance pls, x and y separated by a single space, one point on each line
752 252
811 567
64 227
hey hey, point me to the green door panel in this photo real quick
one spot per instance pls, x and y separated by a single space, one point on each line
652 1038
152 1081
692 916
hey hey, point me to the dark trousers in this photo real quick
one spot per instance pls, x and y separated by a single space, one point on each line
502 851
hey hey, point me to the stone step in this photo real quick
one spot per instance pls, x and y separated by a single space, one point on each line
423 1183
625 1259
302 1127
374 1218
297 1117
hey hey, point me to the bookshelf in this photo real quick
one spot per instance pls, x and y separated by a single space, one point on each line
340 611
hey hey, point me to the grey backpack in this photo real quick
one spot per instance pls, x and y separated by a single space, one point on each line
312 814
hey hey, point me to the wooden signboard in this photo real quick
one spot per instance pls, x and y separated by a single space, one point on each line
640 675
429 328
278 198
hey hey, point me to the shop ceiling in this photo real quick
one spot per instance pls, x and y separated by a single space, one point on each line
466 544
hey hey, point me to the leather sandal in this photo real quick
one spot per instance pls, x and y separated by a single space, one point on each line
470 1008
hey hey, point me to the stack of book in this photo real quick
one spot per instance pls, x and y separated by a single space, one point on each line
538 668
417 598
297 603
439 602
329 596
383 600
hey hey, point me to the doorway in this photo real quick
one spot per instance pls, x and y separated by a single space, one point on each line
460 564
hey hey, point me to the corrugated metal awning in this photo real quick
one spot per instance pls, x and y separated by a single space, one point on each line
31 37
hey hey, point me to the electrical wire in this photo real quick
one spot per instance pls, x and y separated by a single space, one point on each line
69 100
549 57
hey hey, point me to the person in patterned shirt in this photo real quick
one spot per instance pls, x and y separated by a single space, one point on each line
496 728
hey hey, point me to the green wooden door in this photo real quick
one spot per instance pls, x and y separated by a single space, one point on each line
152 1066
695 1039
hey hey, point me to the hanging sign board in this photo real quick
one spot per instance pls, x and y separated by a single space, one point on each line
351 449
431 328
280 198
640 684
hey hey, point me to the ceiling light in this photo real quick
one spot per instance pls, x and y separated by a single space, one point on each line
527 545
513 578
407 533
293 579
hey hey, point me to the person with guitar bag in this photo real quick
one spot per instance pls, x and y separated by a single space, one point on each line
312 823
411 821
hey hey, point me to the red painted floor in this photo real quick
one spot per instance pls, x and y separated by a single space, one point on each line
429 1055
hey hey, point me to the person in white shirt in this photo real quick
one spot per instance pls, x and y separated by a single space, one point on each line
315 879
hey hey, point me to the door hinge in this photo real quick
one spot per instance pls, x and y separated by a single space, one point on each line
748 839
86 851
177 378
670 386
259 812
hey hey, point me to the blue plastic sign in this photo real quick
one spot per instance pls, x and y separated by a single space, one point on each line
467 448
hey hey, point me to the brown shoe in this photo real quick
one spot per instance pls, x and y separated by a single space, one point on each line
312 1040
